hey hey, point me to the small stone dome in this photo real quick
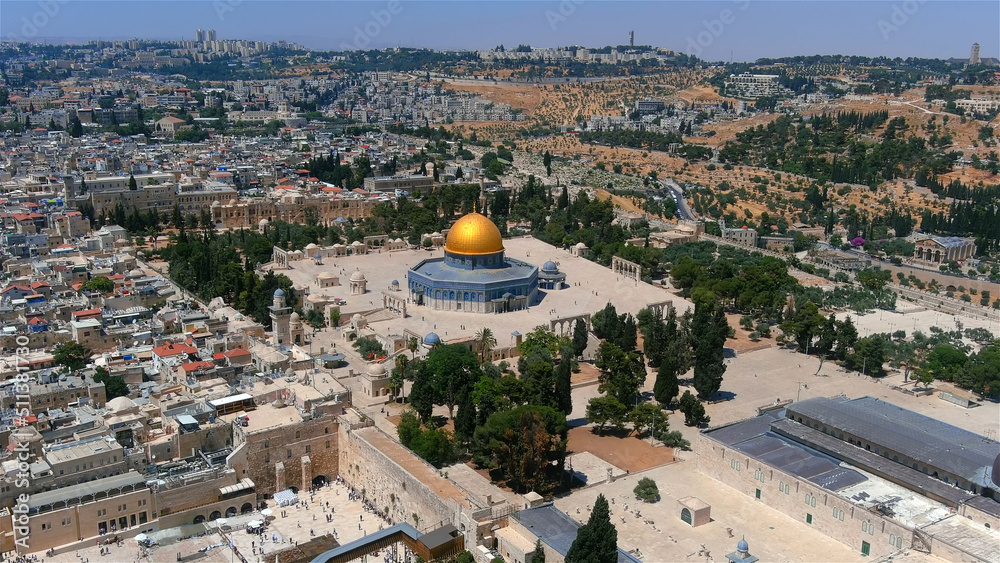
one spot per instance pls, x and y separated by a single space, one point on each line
311 246
743 546
263 223
395 282
376 369
357 317
358 276
581 245
216 203
232 201
432 338
295 318
119 404
326 275
279 292
550 266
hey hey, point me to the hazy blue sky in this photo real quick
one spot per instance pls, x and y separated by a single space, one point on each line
749 30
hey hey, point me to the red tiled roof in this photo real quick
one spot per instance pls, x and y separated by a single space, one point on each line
195 366
236 353
87 313
171 349
18 287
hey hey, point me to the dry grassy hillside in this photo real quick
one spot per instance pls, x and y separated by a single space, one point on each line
552 105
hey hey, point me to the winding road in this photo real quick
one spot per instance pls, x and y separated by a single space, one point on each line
683 211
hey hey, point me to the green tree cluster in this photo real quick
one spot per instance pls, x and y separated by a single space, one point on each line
435 445
114 386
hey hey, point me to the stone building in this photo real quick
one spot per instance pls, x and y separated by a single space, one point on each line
938 251
61 394
248 214
831 471
136 502
744 236
279 448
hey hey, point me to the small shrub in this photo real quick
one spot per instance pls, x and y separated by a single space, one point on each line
646 490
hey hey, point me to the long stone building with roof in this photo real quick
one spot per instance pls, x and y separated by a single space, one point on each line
867 473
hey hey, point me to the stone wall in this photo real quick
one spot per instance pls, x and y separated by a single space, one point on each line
789 494
387 484
194 495
181 518
316 439
980 516
212 437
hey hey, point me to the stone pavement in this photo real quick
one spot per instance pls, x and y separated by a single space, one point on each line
658 532
287 526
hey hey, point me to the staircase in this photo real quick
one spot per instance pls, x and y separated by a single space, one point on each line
380 315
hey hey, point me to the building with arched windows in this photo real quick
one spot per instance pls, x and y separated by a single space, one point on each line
474 275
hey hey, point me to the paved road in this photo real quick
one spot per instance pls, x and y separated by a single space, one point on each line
683 211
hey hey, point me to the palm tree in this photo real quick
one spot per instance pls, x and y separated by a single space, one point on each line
485 342
411 345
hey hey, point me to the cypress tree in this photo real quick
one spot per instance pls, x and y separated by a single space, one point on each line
710 331
580 337
564 383
539 555
597 540
465 419
666 388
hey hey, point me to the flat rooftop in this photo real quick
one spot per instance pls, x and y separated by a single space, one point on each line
266 417
976 540
76 450
906 506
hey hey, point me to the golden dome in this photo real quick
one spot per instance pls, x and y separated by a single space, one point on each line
474 234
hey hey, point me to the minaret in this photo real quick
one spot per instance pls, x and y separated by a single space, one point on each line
280 319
